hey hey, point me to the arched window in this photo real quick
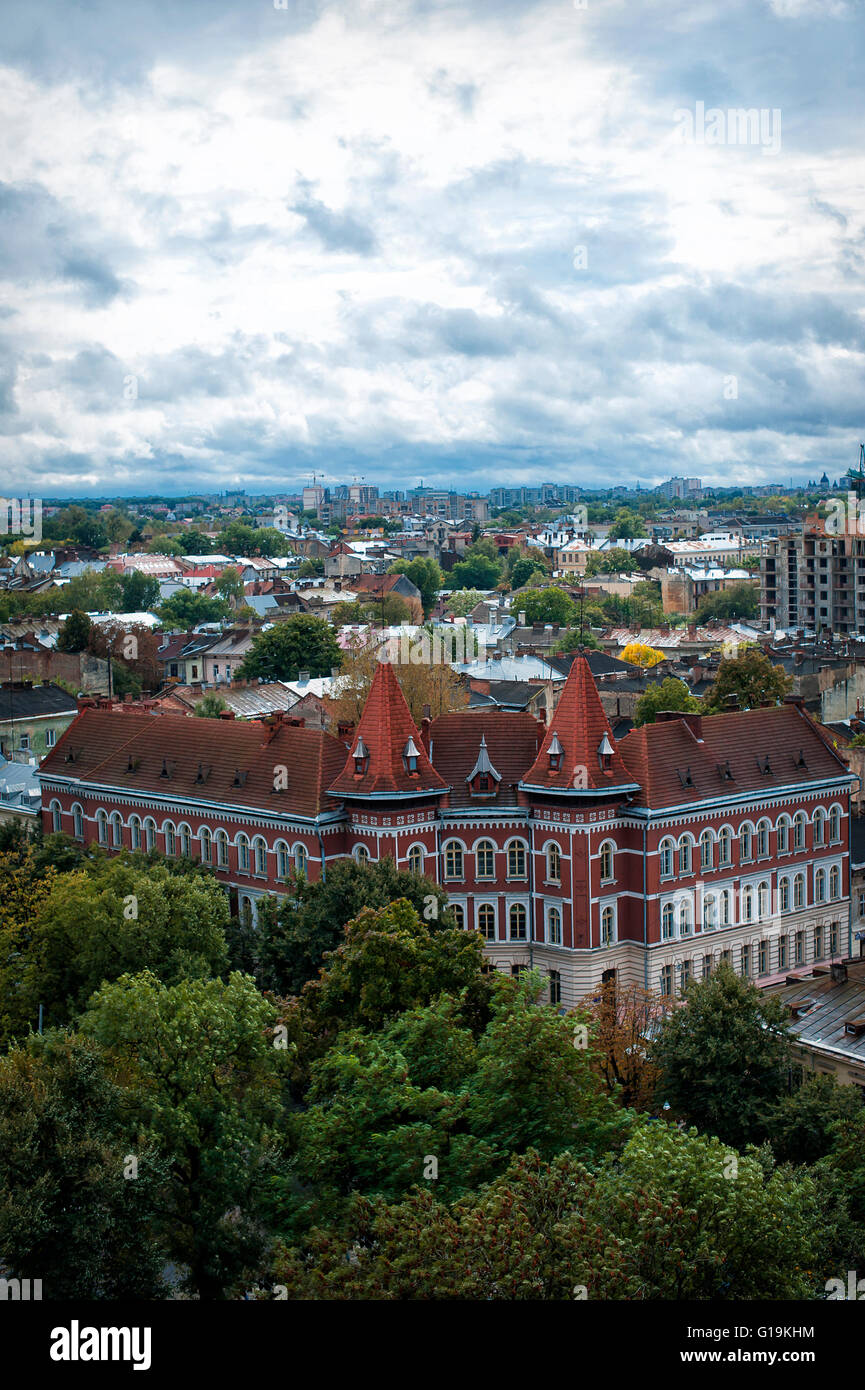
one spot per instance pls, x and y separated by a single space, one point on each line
763 829
783 834
243 853
247 916
259 853
608 924
762 901
685 854
517 922
707 850
725 845
459 914
554 926
799 830
684 919
453 859
414 859
516 859
710 912
608 861
282 859
835 824
819 826
667 922
205 839
78 822
746 842
725 908
116 830
56 822
184 836
747 903
102 826
485 859
784 895
149 834
820 886
361 854
554 864
170 839
487 921
834 882
135 832
301 861
221 849
666 858
799 890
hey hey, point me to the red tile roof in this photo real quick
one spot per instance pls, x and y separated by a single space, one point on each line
579 726
662 756
385 728
227 751
512 745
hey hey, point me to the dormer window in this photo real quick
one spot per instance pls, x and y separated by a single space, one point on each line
605 754
483 779
361 758
410 755
555 751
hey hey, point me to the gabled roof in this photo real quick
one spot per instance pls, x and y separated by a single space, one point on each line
579 727
483 764
385 729
237 759
676 768
512 743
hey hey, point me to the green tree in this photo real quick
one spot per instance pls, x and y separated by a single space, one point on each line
297 930
75 633
202 1088
426 576
299 643
229 586
140 592
462 601
550 605
114 919
210 706
803 1127
627 525
751 678
523 570
724 1057
672 694
738 601
185 609
69 1215
476 571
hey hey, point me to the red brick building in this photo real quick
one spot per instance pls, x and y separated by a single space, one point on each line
691 840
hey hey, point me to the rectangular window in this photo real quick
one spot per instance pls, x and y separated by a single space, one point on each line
25 743
555 987
800 947
764 957
746 960
50 738
667 980
782 953
833 939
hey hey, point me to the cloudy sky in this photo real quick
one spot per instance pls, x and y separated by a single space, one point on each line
467 242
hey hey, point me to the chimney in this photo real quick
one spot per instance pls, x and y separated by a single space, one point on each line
303 677
540 734
693 720
425 725
839 972
226 714
798 700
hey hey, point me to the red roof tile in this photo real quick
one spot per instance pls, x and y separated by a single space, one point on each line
230 751
512 745
578 727
384 729
662 756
